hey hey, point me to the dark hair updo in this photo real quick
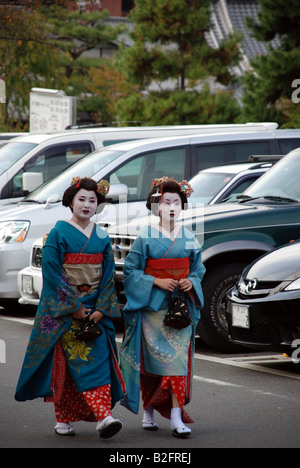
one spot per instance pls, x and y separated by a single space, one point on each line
170 186
87 184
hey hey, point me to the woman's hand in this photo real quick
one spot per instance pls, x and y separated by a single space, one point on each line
81 314
166 284
185 285
97 316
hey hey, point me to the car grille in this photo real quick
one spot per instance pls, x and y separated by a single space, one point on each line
36 258
121 247
258 333
262 289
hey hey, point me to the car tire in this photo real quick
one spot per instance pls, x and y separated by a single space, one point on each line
212 327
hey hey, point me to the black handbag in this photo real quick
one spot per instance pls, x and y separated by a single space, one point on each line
89 330
178 315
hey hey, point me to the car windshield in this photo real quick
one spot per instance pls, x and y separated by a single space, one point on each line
89 166
11 153
207 185
281 181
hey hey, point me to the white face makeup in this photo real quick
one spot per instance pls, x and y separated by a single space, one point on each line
170 207
84 207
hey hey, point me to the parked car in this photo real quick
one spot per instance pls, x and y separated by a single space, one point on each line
6 137
263 307
224 183
233 235
130 168
211 186
32 159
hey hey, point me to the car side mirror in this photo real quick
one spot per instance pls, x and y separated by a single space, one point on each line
31 181
117 192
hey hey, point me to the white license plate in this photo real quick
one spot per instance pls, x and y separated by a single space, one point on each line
241 316
27 284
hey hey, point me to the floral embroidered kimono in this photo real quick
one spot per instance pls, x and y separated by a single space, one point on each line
155 358
78 270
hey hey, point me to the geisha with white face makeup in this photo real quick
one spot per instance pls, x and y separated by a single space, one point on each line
170 207
164 262
78 287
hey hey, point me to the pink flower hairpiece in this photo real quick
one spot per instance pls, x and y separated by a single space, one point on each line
185 186
102 187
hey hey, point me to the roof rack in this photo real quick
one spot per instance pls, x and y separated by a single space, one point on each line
262 125
104 124
265 158
268 125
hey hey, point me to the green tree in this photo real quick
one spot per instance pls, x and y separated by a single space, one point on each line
78 32
269 85
47 45
170 47
27 57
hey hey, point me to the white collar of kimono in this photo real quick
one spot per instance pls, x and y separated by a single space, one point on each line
171 235
87 231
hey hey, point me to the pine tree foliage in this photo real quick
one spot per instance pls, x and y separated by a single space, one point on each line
268 89
171 62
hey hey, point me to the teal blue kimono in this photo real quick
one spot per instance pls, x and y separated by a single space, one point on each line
146 305
78 270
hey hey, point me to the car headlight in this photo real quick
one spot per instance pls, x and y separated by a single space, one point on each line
12 232
293 286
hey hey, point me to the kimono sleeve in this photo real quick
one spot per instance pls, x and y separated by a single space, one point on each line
138 286
107 301
60 297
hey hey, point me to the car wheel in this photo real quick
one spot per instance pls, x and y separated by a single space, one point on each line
213 328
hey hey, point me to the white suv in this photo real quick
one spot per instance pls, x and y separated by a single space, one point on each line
130 169
30 160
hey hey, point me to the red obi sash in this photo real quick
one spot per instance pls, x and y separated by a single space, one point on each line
85 259
174 268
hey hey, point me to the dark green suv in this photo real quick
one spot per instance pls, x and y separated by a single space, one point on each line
233 236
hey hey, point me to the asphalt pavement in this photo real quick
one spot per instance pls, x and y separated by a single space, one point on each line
248 400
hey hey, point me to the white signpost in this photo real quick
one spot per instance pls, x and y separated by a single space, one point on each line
51 110
2 352
2 92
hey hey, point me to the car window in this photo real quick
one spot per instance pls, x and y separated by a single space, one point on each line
115 142
10 153
239 188
287 145
138 173
49 162
88 166
224 153
207 185
282 180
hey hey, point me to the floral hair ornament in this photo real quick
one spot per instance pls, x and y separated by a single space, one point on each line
102 187
158 183
185 186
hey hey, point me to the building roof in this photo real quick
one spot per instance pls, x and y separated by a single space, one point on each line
230 15
226 16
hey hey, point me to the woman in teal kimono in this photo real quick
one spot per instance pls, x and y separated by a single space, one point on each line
155 358
81 378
